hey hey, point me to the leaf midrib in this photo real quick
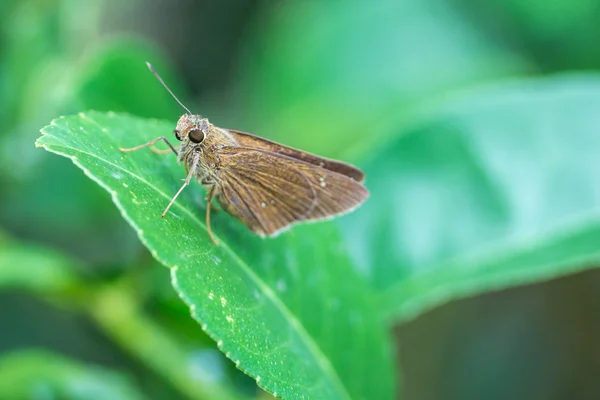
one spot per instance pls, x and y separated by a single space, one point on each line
318 354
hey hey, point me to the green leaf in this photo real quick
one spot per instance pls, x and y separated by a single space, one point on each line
115 309
35 374
291 314
35 268
120 63
557 36
192 365
17 66
499 187
362 67
56 87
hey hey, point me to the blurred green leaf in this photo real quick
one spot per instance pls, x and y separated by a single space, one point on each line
333 77
115 78
195 368
44 375
498 187
40 22
293 315
115 309
557 35
57 87
35 268
41 42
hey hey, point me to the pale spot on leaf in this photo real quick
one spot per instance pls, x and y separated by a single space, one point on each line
281 286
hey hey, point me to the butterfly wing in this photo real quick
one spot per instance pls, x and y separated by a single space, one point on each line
269 191
255 142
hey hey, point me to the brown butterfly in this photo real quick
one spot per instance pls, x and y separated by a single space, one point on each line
265 185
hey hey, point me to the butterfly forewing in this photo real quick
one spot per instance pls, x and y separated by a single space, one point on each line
269 191
251 141
336 193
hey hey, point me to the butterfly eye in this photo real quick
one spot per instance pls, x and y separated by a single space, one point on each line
196 135
176 132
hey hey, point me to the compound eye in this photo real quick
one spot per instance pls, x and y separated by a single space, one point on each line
176 132
196 135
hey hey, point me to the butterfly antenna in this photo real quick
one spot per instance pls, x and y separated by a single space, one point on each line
151 68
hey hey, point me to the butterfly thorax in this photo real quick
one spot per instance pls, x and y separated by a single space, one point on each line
210 140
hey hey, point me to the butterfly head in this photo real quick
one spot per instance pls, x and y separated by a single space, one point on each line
192 127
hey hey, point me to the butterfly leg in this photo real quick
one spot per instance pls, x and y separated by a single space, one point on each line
188 179
162 151
208 183
151 144
211 193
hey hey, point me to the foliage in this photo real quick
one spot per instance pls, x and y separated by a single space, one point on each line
482 175
272 306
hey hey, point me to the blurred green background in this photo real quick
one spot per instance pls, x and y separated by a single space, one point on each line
341 79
